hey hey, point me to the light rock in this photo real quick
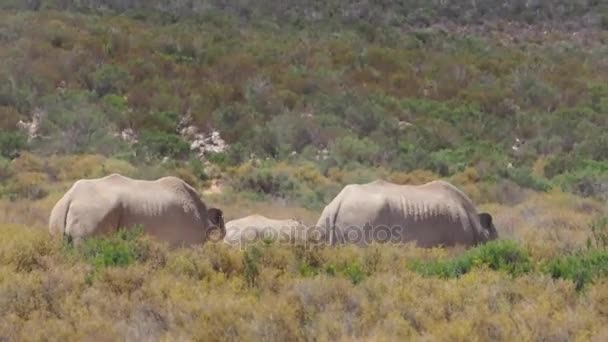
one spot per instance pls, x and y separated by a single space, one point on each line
32 128
128 135
404 124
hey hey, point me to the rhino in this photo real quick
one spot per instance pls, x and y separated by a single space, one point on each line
168 209
255 228
432 214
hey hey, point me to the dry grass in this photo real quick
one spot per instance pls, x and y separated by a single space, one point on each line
205 294
217 292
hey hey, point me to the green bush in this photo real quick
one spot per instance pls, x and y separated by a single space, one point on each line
162 121
524 177
120 249
28 185
115 107
582 267
587 178
109 78
154 144
354 272
267 181
11 143
500 255
351 270
251 260
351 149
561 163
307 270
74 124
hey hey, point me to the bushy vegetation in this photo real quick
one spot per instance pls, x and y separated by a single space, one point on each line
416 85
497 255
133 287
363 13
505 99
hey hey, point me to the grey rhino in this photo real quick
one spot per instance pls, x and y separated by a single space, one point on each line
432 214
168 208
254 228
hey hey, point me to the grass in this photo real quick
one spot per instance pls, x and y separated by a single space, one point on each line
545 279
129 286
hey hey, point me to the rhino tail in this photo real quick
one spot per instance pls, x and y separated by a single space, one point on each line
333 234
58 218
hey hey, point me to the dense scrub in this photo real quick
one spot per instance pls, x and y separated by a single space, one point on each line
429 99
390 13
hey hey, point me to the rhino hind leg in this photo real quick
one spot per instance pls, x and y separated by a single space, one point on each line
85 220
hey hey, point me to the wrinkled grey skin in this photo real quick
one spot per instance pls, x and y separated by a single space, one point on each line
433 214
168 208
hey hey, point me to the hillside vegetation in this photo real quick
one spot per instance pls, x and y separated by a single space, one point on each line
440 97
506 99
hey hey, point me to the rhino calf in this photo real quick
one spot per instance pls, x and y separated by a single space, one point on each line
256 228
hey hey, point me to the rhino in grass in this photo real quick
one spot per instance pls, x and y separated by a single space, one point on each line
256 228
432 214
168 209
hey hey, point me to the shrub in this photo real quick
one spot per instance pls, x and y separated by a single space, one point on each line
8 118
351 149
560 163
25 248
599 233
413 178
73 124
11 143
354 272
118 249
582 267
251 259
109 78
524 177
187 263
115 107
500 255
266 181
162 121
587 179
154 144
28 185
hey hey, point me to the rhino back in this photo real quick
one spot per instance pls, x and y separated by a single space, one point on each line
166 208
404 213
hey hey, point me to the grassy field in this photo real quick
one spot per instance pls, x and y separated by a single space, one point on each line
546 279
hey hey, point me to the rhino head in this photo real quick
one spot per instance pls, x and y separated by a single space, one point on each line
215 218
485 220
